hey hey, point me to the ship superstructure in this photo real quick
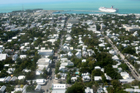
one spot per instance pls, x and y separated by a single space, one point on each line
111 10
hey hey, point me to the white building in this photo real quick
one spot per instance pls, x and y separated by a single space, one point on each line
97 78
3 57
89 90
38 88
41 81
45 52
58 88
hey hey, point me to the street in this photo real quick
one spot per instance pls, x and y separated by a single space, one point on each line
135 74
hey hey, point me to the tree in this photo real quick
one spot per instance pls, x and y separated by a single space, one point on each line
135 83
77 87
124 67
115 84
111 72
129 50
30 75
98 27
97 72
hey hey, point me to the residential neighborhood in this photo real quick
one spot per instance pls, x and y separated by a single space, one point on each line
42 51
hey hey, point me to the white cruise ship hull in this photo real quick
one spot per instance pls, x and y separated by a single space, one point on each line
110 10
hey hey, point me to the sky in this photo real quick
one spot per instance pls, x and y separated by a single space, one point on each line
49 1
33 1
126 4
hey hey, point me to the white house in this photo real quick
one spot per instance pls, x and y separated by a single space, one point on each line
38 88
125 75
126 80
115 58
86 78
78 54
89 90
112 52
62 68
97 78
70 54
41 81
3 57
21 77
107 77
73 79
23 56
98 67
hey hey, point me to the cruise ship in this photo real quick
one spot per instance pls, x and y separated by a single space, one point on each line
111 10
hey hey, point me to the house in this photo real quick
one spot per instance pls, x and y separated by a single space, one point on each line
14 78
62 68
102 26
23 56
10 70
135 34
2 79
38 88
39 72
126 80
43 63
83 60
3 89
70 54
1 48
89 90
86 78
70 63
26 70
102 90
115 57
125 75
102 45
78 54
14 58
90 52
73 79
3 57
41 81
19 89
107 77
97 67
58 88
21 77
131 90
112 52
84 54
131 28
97 78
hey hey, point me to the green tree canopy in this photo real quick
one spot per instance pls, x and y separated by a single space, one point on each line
76 88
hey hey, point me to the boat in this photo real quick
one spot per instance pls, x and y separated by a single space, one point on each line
111 10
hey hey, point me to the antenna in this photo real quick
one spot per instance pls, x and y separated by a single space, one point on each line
112 6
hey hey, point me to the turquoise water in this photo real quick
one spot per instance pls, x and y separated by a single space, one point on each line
124 6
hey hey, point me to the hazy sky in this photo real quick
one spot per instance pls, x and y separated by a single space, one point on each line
34 1
55 1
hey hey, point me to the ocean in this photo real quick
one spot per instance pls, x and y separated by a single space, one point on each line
85 7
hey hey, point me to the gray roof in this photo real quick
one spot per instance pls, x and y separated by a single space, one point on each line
3 88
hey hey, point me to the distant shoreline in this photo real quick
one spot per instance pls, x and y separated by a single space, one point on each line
76 11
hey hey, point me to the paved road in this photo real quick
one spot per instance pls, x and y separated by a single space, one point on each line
135 74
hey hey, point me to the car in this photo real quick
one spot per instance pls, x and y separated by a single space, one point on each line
47 90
